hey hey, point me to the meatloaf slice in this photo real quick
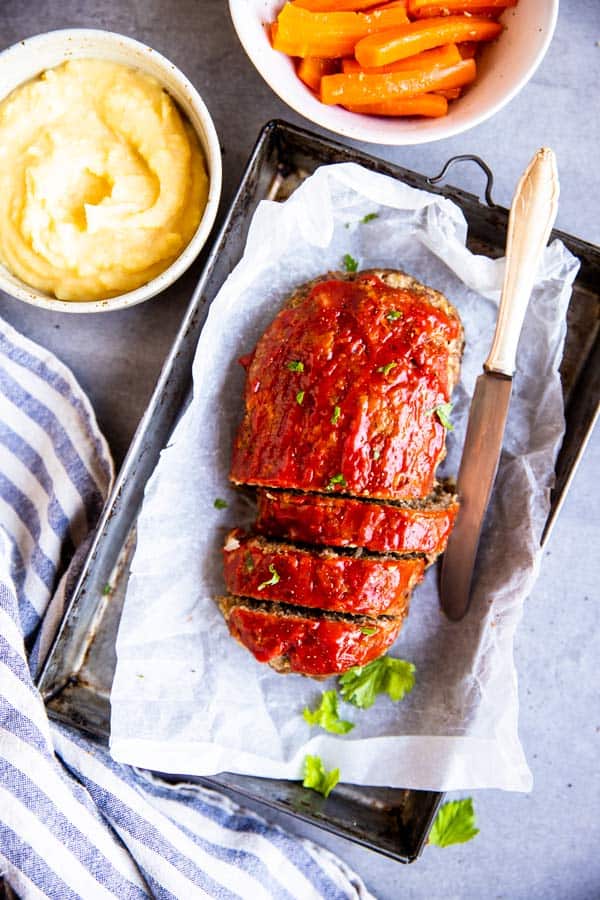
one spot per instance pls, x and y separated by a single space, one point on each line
321 579
342 389
317 644
351 522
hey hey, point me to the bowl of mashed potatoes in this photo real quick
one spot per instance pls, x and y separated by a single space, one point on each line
110 171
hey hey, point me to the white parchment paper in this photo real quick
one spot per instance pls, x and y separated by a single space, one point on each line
186 697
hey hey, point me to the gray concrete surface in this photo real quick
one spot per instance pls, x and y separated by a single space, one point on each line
545 846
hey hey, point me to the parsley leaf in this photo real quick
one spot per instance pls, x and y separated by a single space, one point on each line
335 415
107 589
368 630
393 314
294 365
442 411
369 217
385 675
317 778
454 823
336 479
274 579
387 368
326 715
350 264
220 503
300 398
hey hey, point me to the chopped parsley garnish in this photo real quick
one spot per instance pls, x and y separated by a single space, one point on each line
387 368
442 411
367 630
336 479
386 675
454 823
369 217
393 314
335 415
294 365
300 398
248 563
274 579
220 503
350 264
317 778
326 715
106 589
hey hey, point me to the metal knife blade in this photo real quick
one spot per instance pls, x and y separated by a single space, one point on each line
476 476
532 215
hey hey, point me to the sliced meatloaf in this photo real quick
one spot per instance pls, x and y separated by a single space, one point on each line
378 526
331 580
342 389
341 435
313 643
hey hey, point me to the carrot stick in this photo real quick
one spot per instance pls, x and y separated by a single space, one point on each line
431 105
312 68
432 12
301 32
447 55
407 40
418 7
360 89
337 5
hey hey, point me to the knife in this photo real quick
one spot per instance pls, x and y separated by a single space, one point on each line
532 214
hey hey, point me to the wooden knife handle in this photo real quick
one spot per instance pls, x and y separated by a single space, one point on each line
532 215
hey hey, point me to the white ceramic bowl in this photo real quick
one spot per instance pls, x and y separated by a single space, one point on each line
504 67
30 57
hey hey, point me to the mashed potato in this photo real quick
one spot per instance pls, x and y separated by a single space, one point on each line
102 182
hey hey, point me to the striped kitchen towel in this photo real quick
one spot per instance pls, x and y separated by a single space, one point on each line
73 823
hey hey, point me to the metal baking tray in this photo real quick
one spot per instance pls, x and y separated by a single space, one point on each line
77 676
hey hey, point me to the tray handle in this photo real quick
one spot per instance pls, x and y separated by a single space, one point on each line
468 157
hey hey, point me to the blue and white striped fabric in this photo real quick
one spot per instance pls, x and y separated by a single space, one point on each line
73 823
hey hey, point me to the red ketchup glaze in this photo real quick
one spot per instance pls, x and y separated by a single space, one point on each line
340 397
345 522
316 647
370 586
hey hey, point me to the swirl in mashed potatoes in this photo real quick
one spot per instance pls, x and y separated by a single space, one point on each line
102 181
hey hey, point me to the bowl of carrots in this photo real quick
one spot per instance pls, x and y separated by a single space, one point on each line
395 72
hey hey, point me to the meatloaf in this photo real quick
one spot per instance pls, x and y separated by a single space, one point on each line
346 399
342 388
362 584
297 640
356 522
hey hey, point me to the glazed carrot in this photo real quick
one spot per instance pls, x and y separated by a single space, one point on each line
431 105
431 12
407 40
361 89
447 55
419 7
337 5
312 68
301 32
